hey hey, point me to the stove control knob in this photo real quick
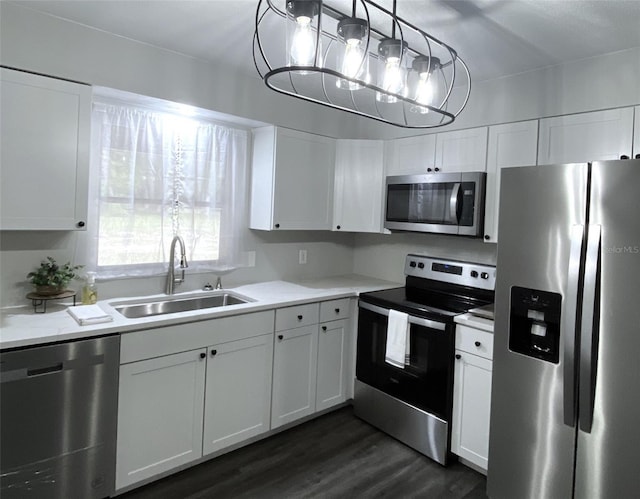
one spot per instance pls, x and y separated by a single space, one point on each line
485 275
474 273
412 264
421 265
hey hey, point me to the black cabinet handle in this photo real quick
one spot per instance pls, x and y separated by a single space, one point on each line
429 169
637 156
337 310
203 355
487 237
280 337
458 356
624 156
437 169
338 227
477 343
277 226
80 224
213 352
299 317
324 328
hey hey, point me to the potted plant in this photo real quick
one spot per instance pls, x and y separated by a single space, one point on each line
51 278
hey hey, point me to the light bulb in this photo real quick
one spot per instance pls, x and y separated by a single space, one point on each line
424 93
353 54
393 78
303 45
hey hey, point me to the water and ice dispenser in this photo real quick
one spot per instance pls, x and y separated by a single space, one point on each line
535 323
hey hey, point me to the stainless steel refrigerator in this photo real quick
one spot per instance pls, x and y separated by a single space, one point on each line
565 413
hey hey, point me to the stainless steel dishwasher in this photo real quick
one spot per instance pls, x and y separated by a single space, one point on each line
58 413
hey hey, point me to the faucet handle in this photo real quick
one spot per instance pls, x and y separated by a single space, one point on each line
218 283
207 287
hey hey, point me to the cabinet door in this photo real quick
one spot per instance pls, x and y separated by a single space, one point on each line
578 138
471 408
303 190
294 374
159 415
238 392
332 361
636 135
411 155
359 186
462 150
44 152
511 144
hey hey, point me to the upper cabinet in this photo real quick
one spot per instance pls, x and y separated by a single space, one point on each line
462 150
636 134
575 138
359 186
44 152
292 180
411 155
511 144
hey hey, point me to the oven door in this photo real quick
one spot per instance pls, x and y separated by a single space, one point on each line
426 383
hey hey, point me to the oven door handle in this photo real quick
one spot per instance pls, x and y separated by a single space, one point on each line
418 321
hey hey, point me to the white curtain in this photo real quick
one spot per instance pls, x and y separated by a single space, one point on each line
160 175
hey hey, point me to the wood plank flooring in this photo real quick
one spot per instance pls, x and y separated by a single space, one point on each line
334 456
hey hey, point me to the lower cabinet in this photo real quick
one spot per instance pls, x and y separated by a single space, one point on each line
472 396
331 382
238 392
160 411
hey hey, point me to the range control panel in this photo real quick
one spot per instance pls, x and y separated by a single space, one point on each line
456 272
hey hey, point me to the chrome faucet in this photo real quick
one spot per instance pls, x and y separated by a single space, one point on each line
218 283
171 278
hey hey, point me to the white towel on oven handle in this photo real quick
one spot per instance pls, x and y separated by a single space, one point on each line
397 352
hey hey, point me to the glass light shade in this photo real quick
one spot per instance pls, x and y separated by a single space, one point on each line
425 85
302 33
352 59
392 73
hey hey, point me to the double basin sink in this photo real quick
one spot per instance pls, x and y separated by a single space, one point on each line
171 305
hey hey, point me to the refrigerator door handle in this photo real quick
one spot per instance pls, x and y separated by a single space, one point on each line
569 326
590 328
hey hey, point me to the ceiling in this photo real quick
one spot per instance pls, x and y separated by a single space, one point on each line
495 37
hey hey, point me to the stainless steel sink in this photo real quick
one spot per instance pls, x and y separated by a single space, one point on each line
161 306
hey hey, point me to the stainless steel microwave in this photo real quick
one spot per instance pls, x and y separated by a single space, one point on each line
444 203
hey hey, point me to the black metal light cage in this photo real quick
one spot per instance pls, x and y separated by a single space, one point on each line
317 82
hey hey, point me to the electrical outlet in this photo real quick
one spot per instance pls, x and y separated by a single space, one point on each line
302 257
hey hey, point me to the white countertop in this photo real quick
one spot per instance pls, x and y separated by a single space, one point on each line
475 322
20 326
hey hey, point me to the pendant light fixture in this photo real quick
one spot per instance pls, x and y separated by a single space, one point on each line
328 49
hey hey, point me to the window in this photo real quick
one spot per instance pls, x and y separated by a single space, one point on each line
160 174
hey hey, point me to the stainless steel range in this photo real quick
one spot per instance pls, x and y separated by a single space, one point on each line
410 395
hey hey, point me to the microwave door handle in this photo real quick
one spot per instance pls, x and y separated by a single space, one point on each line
453 203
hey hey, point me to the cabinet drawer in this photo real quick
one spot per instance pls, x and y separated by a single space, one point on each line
334 309
296 316
474 341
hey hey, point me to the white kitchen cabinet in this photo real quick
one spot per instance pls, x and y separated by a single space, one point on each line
238 391
44 152
636 134
510 145
160 412
292 180
410 155
294 374
462 150
359 186
576 138
472 396
332 364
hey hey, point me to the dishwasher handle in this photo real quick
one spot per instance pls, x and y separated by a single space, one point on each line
17 372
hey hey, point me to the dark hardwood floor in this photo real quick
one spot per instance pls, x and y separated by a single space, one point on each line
334 456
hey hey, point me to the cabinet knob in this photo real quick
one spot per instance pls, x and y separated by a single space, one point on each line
337 310
429 169
477 343
203 355
324 328
280 337
437 169
277 226
487 237
637 156
624 156
213 352
458 356
338 227
80 224
299 317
